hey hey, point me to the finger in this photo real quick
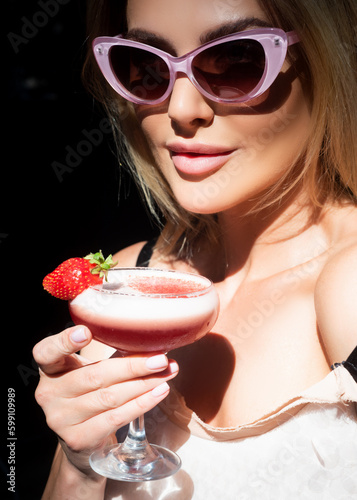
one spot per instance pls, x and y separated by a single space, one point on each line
111 371
108 398
90 434
54 354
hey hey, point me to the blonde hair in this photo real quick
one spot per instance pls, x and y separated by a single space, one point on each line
327 59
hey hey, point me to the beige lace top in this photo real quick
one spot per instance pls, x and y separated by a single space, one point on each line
305 449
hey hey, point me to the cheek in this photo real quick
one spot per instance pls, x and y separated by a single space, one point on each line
282 133
155 127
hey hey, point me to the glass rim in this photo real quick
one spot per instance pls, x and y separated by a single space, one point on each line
197 277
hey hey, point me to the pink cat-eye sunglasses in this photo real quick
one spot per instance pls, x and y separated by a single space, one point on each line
232 69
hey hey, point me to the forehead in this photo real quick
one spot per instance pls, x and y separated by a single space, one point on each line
185 21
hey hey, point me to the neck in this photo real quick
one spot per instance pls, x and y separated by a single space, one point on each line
258 245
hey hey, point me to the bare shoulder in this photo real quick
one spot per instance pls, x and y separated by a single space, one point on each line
336 293
126 257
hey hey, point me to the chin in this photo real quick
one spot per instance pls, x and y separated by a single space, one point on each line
201 203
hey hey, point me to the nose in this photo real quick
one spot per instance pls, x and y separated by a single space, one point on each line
188 108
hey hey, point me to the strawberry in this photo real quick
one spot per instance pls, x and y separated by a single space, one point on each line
74 275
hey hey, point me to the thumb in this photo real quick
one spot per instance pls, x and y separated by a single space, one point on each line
56 353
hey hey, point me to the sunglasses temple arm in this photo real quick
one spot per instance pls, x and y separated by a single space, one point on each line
293 37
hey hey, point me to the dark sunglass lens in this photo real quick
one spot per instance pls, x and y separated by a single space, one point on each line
230 70
142 73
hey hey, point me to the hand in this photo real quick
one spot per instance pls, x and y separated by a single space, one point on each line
86 402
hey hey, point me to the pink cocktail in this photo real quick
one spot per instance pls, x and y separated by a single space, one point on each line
145 310
141 310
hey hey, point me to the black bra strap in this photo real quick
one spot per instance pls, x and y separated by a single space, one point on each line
350 364
145 254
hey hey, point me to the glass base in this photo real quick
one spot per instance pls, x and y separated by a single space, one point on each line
122 464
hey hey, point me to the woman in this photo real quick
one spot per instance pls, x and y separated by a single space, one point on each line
258 190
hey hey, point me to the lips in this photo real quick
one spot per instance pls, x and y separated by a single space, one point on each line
198 159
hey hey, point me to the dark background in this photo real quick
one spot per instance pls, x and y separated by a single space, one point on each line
46 217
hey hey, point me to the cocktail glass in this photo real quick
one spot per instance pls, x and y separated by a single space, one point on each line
143 310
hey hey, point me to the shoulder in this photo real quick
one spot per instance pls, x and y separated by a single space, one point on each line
336 298
127 257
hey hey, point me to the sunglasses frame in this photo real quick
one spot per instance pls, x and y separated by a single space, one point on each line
275 43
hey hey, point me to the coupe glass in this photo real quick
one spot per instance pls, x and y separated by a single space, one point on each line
143 310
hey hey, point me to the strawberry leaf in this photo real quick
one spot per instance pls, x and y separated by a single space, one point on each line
102 265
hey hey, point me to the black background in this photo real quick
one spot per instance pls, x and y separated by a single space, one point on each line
46 218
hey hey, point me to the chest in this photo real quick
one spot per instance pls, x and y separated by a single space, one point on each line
264 349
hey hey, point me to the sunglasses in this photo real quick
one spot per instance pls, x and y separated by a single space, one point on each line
232 69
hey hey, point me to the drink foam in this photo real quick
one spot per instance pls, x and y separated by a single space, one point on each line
120 314
121 297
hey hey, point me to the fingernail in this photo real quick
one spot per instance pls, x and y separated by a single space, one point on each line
79 335
160 389
173 367
157 362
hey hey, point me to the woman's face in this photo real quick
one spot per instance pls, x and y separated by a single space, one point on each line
217 156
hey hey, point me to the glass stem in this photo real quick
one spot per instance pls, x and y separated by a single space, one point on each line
136 437
135 455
